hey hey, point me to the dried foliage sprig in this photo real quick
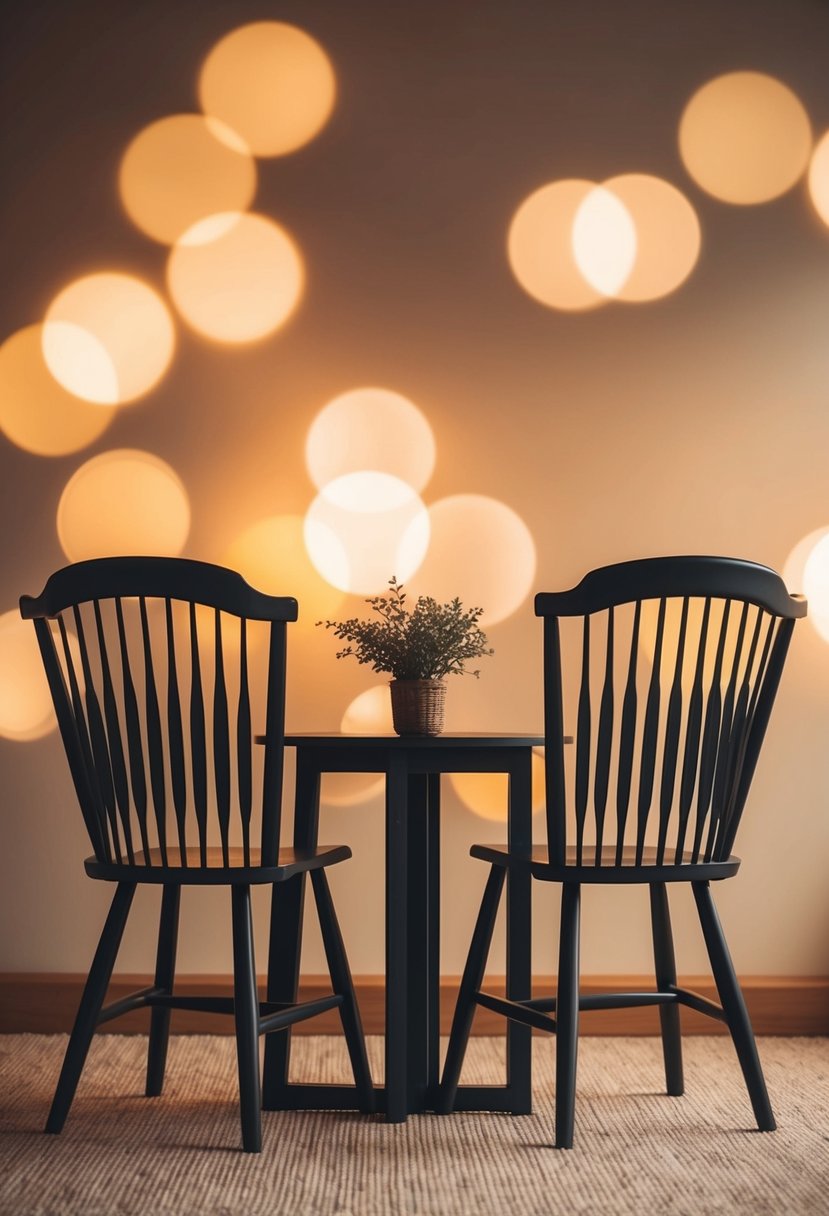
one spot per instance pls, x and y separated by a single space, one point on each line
427 643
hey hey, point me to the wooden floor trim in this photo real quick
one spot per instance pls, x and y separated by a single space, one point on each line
45 1003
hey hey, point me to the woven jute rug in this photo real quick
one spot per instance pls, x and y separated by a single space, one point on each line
637 1150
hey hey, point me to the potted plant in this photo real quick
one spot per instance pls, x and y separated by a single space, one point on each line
418 649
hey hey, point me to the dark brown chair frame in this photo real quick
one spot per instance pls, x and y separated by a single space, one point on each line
704 746
128 756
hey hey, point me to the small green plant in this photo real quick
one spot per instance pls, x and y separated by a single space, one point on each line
432 641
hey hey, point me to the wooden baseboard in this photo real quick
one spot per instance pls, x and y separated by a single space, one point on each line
45 1003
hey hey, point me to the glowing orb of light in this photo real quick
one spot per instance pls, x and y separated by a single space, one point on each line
671 631
794 572
25 702
271 555
369 713
363 528
370 428
795 563
77 357
816 586
108 338
349 789
487 794
123 502
235 277
36 413
540 246
667 236
272 83
604 241
819 178
480 550
179 170
745 137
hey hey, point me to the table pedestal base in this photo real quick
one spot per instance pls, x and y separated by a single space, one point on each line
412 769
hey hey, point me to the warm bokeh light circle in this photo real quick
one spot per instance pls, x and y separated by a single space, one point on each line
816 586
480 550
745 137
370 428
667 235
349 789
369 713
272 83
271 555
123 502
573 244
487 794
604 241
795 564
36 412
819 178
25 702
108 338
363 528
180 169
235 277
671 631
540 246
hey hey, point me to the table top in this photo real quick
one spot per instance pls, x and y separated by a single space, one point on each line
449 739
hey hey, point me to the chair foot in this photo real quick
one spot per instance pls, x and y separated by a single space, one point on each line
246 1005
665 968
165 968
734 1007
567 1016
93 998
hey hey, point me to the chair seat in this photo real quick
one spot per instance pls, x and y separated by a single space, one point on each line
149 867
605 869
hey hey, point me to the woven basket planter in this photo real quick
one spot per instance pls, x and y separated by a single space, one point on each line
417 706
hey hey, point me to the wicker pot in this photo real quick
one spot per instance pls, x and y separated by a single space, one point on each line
417 706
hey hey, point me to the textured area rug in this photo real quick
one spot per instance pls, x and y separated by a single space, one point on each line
637 1150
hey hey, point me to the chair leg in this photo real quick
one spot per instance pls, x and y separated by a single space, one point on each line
165 970
734 1006
567 1015
246 1009
470 985
90 1007
342 984
665 968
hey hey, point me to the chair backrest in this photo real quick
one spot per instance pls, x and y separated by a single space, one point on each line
666 678
148 663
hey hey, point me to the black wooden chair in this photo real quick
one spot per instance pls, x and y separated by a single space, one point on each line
153 666
668 676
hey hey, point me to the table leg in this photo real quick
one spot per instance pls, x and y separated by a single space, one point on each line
433 972
519 915
396 940
287 907
423 914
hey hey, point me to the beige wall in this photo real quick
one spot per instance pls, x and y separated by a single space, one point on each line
696 424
